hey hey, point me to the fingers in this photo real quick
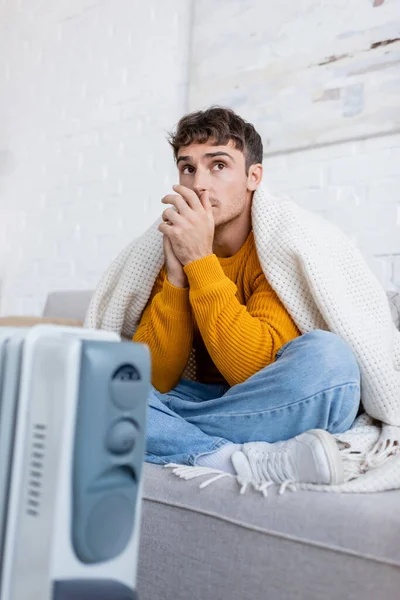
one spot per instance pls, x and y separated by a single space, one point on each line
168 229
167 245
187 199
178 202
189 196
165 229
171 216
205 200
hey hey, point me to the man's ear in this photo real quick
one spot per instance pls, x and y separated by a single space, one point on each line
254 177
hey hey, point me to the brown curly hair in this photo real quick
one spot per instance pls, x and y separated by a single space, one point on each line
220 125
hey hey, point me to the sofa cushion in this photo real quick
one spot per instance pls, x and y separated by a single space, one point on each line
71 304
304 545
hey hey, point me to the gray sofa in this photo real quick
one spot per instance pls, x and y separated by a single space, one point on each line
216 544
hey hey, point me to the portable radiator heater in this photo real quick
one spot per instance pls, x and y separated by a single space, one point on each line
73 406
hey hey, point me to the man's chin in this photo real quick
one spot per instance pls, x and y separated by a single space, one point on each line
218 223
221 222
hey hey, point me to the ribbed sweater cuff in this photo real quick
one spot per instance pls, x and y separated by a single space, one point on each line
204 272
175 298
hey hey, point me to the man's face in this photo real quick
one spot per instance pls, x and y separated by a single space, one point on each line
221 170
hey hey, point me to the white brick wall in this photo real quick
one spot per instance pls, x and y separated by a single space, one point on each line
88 90
321 82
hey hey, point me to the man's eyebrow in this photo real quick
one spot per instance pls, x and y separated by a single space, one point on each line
220 153
184 158
207 155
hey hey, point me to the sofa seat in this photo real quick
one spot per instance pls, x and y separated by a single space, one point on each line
217 544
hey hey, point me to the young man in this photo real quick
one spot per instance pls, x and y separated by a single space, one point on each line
266 399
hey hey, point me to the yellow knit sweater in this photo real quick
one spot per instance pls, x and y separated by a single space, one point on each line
229 313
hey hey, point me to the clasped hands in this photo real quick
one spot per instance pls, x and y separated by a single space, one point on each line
188 225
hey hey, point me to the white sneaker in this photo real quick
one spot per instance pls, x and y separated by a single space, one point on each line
312 457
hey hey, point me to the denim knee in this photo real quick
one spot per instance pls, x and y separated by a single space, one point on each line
338 367
334 357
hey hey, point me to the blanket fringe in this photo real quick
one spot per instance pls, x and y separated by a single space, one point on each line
188 472
388 445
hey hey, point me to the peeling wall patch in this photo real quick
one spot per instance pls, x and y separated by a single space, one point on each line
329 94
353 100
384 43
332 59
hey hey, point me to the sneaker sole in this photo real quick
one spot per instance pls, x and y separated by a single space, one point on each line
332 454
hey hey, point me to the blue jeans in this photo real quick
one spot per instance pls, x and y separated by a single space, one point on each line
314 383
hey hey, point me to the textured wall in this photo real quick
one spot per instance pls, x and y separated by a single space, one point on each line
88 90
309 72
321 82
89 87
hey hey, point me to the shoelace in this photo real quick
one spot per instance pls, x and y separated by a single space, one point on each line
268 470
271 469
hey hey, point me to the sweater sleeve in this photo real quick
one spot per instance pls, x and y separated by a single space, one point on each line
166 326
241 340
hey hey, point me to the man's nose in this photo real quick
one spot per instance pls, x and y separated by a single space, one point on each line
200 183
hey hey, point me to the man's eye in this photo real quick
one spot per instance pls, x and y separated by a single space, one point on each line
219 166
188 170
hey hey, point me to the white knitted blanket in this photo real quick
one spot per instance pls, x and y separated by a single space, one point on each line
324 282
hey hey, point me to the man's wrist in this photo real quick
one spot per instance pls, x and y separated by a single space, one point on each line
178 282
176 298
194 258
204 272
